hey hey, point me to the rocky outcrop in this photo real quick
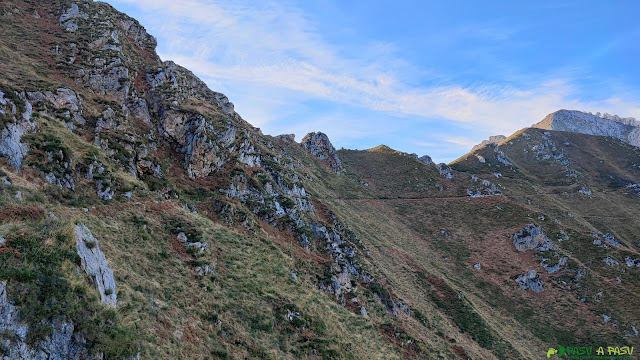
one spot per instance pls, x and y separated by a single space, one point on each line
62 343
207 141
483 188
531 237
426 159
69 16
287 138
553 268
493 140
10 145
176 84
530 281
445 170
318 145
502 158
94 263
586 123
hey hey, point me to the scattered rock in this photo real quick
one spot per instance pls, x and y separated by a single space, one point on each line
611 240
204 270
445 170
632 262
584 191
363 312
530 281
404 308
291 315
532 237
551 269
610 261
502 158
563 236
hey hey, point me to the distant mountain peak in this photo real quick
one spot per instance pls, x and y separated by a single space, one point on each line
625 129
381 148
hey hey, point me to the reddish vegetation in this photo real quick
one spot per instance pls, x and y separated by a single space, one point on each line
178 247
21 212
459 352
398 336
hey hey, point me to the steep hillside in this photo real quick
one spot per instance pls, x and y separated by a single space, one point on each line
142 217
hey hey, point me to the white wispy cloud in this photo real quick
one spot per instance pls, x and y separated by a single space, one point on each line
277 52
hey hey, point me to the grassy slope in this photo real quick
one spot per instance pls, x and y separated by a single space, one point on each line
405 242
604 166
170 310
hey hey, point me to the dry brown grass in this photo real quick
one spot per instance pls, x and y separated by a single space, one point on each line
28 212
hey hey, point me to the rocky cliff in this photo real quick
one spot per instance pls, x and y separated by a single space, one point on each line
586 123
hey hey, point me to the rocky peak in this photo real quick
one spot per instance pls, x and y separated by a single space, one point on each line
492 140
426 159
590 124
177 85
318 145
112 24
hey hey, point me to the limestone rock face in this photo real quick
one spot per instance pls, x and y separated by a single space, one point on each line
585 123
318 145
15 121
62 343
207 142
95 264
10 145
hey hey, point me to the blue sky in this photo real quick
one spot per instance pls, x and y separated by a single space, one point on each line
425 77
